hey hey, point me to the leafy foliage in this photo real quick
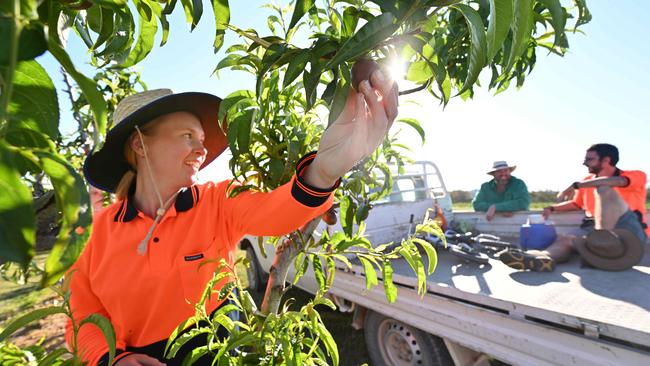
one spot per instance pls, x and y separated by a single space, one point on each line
35 354
443 44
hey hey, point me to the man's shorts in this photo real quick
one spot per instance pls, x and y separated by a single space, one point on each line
628 221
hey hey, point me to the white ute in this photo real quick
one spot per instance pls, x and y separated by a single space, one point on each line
472 313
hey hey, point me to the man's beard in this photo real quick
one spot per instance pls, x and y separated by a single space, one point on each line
596 169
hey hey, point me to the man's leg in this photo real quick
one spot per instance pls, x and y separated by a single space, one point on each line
609 208
560 250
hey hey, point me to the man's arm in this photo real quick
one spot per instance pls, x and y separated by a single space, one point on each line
480 202
616 181
565 206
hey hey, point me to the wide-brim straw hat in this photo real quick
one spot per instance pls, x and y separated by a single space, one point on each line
611 250
105 167
501 164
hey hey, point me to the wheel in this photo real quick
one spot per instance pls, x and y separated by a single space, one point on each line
393 343
256 277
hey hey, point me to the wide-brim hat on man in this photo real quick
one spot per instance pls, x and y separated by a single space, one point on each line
105 167
501 164
611 250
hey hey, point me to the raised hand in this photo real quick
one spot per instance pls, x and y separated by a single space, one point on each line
356 133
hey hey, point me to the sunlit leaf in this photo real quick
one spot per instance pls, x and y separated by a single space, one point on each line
23 320
558 19
87 86
73 201
34 105
499 26
522 28
301 7
415 124
367 37
295 67
369 271
145 42
478 46
107 330
389 286
17 237
221 10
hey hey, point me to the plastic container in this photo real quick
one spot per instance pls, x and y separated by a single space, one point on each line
536 233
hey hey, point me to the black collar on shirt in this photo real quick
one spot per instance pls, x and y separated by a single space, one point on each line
187 198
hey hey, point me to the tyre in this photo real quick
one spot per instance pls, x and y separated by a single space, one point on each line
256 277
393 343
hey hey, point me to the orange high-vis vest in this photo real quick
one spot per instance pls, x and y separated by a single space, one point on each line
146 297
634 194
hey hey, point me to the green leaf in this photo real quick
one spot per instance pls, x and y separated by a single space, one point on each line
193 11
121 35
350 20
88 87
328 341
31 42
180 328
106 27
325 301
295 67
183 339
241 339
584 15
522 28
415 124
431 254
499 26
362 211
34 105
318 271
112 4
419 71
221 10
558 19
17 237
30 317
107 330
389 286
338 101
233 99
369 271
148 29
302 6
194 355
365 39
271 56
301 263
73 202
478 46
331 271
414 260
53 357
346 213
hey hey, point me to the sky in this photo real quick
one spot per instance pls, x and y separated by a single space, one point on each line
596 93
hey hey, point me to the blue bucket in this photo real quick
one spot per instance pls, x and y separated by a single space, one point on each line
536 236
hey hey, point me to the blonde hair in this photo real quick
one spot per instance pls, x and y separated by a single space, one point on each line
123 187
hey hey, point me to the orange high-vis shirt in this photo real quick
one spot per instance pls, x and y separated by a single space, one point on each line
634 194
147 296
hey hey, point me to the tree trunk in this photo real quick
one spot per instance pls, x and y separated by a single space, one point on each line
284 257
